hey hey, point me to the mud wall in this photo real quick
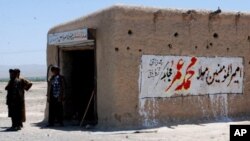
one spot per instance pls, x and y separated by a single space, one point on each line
160 32
125 34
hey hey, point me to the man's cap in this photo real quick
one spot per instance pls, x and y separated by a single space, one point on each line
11 70
54 67
17 70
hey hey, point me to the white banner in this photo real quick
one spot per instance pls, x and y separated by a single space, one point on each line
169 76
68 37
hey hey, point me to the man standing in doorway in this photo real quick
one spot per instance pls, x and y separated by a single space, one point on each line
55 97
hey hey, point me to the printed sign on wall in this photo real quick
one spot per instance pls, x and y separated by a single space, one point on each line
169 76
68 37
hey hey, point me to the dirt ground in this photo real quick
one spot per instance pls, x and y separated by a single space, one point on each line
34 128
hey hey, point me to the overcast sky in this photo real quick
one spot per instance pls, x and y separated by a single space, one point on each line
24 23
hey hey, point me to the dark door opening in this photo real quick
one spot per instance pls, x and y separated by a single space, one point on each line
79 72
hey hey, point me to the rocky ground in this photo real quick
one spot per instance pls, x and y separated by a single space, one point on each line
33 128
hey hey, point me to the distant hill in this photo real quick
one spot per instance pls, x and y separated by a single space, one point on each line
26 71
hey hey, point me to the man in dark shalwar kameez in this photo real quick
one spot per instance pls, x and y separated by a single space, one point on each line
15 100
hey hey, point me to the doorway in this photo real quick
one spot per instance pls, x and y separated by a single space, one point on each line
78 67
